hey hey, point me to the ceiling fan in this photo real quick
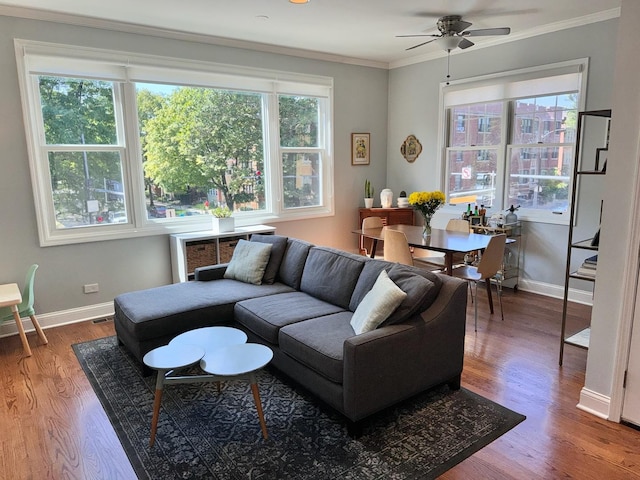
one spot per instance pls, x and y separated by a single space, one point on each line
454 33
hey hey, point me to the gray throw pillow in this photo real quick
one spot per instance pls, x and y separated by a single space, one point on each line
248 262
421 292
377 305
278 246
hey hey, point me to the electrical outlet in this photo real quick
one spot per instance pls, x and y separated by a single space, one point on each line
91 288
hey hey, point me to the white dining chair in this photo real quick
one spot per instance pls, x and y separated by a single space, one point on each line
488 267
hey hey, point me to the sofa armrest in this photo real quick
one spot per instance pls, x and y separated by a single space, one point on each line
394 362
211 272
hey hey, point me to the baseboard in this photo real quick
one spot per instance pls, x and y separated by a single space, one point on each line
56 319
594 403
556 291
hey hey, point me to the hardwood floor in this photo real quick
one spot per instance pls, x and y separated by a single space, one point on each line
52 425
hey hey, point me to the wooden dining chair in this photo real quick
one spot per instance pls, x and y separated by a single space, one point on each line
396 247
490 264
370 222
458 225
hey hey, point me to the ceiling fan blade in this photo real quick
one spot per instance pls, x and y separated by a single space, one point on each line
417 35
464 43
421 44
460 25
483 32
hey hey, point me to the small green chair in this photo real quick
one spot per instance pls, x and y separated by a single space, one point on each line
25 308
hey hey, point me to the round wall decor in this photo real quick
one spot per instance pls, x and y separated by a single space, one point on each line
411 148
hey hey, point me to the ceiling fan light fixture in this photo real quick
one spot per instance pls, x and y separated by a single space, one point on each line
299 2
448 42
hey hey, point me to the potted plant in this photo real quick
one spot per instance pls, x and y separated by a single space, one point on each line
222 220
368 194
403 202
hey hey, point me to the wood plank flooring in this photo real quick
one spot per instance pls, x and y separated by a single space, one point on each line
52 425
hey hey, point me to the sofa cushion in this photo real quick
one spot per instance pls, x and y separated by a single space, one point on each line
421 286
278 246
248 262
173 309
331 275
318 343
377 305
266 315
368 277
292 265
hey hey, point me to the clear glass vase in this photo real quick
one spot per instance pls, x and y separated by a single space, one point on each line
426 227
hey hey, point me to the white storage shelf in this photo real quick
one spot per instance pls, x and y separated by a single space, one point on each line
199 249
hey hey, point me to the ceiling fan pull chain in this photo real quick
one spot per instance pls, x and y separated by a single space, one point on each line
448 62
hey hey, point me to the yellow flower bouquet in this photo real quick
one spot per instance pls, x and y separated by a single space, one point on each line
427 203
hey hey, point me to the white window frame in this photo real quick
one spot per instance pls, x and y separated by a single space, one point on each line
125 69
506 86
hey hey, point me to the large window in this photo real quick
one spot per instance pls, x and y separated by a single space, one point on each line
120 148
510 140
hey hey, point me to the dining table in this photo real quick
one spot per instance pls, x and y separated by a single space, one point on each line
445 241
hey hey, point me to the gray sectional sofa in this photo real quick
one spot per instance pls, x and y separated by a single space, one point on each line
303 309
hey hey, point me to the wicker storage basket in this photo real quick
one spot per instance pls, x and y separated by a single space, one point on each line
227 246
201 254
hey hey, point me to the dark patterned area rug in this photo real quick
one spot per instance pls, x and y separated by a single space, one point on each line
203 434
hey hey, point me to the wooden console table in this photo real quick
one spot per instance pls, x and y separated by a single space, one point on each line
389 216
199 249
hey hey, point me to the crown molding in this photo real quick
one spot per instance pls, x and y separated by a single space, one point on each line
125 27
134 28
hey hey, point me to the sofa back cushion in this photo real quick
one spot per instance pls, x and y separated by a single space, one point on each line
278 246
331 275
422 288
293 260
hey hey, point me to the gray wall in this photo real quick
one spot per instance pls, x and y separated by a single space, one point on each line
360 105
413 109
618 260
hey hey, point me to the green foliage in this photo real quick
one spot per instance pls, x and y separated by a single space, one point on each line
204 138
368 189
221 212
298 129
298 121
77 111
81 112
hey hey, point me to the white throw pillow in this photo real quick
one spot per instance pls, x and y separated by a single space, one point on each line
248 262
377 305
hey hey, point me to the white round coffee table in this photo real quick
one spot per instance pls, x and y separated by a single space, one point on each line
240 362
223 355
211 338
164 359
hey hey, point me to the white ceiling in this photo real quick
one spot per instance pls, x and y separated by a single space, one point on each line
359 31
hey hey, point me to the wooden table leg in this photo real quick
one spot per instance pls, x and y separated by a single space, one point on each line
256 399
448 258
488 284
23 336
156 406
36 325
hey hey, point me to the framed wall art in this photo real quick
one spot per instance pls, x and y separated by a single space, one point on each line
411 148
360 148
